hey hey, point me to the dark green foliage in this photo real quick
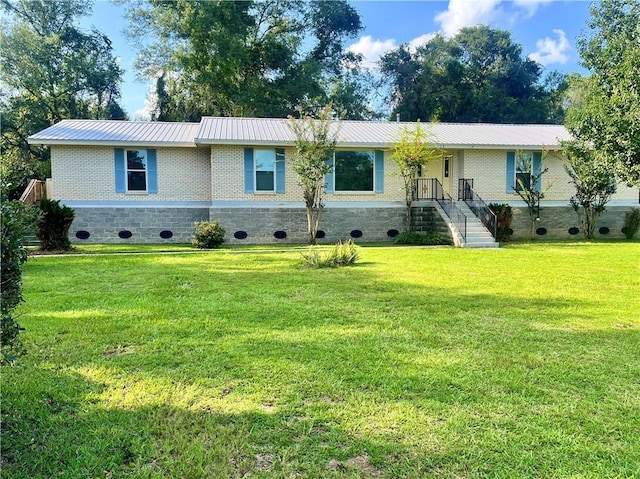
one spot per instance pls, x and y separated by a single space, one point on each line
341 254
53 225
209 234
413 238
16 222
504 216
249 58
631 223
480 75
51 70
608 117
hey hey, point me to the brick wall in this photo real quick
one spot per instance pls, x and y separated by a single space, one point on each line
488 170
108 225
88 173
261 223
227 184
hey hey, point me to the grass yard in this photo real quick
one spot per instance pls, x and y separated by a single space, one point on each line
522 362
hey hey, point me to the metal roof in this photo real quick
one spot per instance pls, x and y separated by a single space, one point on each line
277 132
382 134
116 132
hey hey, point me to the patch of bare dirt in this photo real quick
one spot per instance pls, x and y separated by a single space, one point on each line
360 463
264 461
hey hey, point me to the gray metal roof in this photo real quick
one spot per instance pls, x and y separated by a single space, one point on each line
379 134
277 132
115 132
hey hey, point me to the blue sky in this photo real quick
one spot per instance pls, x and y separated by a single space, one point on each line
546 29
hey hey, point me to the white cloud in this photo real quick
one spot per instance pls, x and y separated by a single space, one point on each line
371 50
468 13
552 51
463 13
421 40
530 7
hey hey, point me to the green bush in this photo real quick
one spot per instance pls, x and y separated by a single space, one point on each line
341 254
209 234
428 239
17 220
505 217
631 223
53 225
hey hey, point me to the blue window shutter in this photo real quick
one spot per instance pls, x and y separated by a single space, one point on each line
511 171
121 175
379 172
329 177
248 171
280 167
537 168
152 172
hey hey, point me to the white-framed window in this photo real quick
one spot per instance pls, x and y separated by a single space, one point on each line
264 164
353 170
136 170
523 170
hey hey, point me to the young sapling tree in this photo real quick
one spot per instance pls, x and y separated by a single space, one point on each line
314 146
593 176
411 152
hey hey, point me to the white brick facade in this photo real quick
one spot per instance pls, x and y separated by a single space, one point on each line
87 173
227 182
488 170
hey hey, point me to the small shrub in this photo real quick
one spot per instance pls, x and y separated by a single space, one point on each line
428 239
17 220
504 215
208 235
631 223
341 254
53 225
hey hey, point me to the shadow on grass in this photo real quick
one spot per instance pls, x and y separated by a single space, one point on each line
218 368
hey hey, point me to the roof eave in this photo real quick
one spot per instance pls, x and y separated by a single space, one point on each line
152 144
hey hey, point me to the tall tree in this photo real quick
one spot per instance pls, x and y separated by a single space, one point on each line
51 70
250 58
479 75
609 114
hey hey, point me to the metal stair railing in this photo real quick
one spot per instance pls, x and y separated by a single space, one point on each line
432 189
477 205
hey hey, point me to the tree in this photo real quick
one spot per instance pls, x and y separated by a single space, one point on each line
593 176
411 152
250 58
529 185
479 75
51 70
610 115
314 145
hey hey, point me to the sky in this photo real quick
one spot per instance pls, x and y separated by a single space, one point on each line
546 29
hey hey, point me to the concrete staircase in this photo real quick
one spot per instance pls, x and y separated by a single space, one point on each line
477 235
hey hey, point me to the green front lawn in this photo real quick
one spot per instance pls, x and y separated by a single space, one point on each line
415 363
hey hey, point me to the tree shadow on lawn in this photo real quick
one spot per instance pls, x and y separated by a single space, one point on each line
54 427
424 381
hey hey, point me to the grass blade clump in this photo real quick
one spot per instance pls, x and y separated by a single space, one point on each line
340 254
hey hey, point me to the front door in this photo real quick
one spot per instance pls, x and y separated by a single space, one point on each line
441 170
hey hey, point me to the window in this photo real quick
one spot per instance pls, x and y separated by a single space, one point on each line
136 170
524 161
353 170
264 163
264 170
